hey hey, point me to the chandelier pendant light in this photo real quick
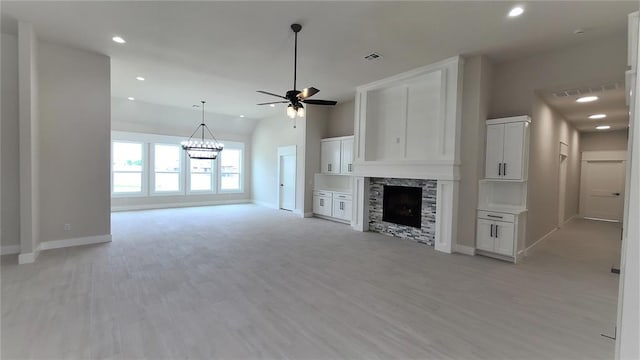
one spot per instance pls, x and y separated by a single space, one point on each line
202 148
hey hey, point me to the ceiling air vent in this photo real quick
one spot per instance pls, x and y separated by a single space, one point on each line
373 56
587 90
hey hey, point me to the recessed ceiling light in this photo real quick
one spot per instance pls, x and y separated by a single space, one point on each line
516 11
585 99
603 127
118 39
597 116
241 116
131 98
139 78
273 105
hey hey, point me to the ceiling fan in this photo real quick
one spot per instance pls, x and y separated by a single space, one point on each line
295 97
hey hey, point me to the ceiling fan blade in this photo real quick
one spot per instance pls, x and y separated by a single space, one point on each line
308 92
274 102
320 102
272 94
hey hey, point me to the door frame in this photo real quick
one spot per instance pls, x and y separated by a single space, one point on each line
563 158
588 156
287 150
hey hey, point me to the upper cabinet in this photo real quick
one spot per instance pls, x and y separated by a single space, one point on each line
336 155
507 148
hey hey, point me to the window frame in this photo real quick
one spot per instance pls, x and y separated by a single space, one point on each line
214 178
232 146
152 170
144 180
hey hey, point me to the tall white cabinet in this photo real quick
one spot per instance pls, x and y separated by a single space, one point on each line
333 188
502 194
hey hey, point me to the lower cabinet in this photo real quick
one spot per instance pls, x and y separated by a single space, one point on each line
498 234
332 204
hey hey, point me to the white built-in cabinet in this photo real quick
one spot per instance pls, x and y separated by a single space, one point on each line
336 155
502 195
333 205
507 148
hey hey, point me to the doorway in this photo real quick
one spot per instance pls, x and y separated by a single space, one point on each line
602 185
562 188
287 177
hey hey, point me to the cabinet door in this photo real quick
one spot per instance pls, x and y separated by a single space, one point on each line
337 208
317 209
347 210
495 150
346 162
325 206
504 238
513 151
330 157
484 239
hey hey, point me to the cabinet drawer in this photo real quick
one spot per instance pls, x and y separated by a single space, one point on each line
342 196
321 193
496 216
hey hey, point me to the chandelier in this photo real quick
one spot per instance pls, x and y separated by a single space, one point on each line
202 148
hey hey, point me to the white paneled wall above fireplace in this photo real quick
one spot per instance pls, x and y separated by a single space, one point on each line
409 124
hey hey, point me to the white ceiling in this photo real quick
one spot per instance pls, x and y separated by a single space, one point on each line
610 102
224 51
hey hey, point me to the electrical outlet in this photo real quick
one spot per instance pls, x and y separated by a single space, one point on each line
67 227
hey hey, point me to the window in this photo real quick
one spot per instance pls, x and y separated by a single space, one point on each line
201 175
167 166
127 168
230 170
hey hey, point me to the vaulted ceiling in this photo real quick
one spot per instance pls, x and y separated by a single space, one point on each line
224 51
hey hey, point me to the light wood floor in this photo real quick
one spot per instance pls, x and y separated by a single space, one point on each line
246 282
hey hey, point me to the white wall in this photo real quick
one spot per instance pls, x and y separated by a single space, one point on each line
603 141
29 137
548 129
268 134
475 102
147 118
74 140
341 119
10 186
316 129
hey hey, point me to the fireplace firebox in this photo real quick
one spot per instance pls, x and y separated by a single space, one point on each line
402 205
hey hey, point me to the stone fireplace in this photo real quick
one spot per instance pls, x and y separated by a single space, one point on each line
404 208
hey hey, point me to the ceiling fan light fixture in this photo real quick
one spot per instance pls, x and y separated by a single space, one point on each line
300 111
291 111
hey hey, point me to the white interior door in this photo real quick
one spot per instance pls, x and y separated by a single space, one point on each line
287 182
602 190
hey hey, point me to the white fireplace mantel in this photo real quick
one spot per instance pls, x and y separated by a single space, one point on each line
408 126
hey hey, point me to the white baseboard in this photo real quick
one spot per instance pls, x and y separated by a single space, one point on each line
530 247
308 214
10 249
265 204
466 250
178 205
89 240
569 219
28 258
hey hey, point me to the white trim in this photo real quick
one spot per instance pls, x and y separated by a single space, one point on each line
574 216
512 119
407 169
28 258
178 205
530 247
287 150
88 240
265 204
308 214
10 249
466 250
446 216
600 219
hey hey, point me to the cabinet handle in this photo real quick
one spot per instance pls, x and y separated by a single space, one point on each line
494 216
328 167
504 169
321 202
491 231
499 169
497 236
